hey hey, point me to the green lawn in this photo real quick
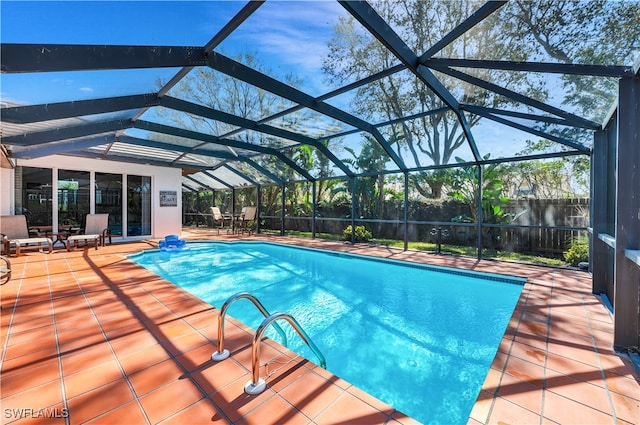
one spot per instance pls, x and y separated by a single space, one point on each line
447 249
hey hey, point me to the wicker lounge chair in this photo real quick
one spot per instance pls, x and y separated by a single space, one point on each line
14 232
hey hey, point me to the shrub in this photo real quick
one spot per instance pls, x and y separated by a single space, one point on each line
578 251
362 234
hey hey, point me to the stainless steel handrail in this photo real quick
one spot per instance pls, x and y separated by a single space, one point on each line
222 354
257 385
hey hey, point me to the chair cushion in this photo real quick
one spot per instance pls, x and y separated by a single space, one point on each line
30 240
82 237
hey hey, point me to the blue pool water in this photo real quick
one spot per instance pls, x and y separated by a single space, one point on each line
419 338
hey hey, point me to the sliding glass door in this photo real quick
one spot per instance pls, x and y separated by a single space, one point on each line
73 197
33 195
109 200
138 205
35 199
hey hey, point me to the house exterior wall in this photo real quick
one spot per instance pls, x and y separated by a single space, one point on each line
165 220
6 191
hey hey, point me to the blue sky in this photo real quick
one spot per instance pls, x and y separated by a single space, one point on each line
285 35
113 22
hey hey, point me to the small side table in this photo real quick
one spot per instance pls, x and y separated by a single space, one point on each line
62 235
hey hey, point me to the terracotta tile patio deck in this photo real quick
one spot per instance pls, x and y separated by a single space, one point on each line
89 337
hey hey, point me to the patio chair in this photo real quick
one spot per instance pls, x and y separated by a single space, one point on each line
5 270
218 217
248 215
96 230
14 231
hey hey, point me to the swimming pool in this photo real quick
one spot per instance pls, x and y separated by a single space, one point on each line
420 338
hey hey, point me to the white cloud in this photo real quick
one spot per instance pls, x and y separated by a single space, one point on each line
290 37
65 81
86 89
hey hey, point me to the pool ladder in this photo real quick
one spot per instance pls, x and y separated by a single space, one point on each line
257 385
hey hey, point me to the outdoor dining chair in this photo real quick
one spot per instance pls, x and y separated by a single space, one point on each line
218 217
248 215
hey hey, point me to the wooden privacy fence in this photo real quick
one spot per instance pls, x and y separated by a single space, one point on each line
557 218
570 212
